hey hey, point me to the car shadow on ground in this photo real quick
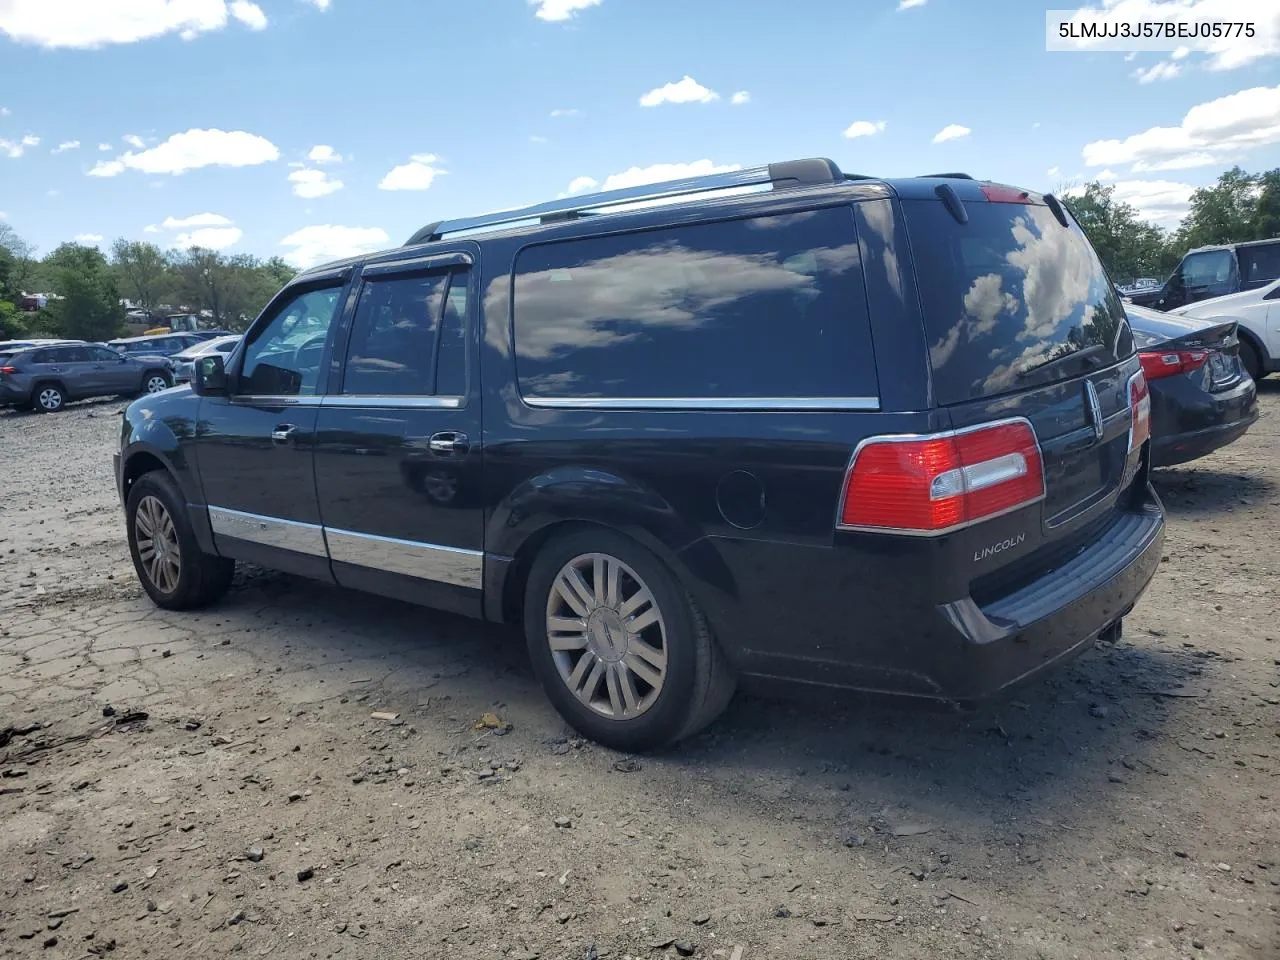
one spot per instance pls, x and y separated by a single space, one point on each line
1203 489
1089 722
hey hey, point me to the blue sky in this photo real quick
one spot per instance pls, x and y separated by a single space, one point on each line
207 108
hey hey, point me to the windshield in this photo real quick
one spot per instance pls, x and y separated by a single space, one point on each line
1012 299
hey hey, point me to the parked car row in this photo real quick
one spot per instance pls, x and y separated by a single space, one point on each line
45 374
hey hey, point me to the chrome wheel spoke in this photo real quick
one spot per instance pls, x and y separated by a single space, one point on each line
645 619
612 593
642 670
627 686
615 691
650 654
156 538
575 592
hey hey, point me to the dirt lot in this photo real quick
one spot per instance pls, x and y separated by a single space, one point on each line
1129 806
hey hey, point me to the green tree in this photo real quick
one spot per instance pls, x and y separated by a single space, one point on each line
1128 246
1266 216
1223 213
141 270
88 303
22 264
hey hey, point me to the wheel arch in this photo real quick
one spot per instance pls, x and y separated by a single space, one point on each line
142 458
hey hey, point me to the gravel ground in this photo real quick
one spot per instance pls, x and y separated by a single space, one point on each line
1127 806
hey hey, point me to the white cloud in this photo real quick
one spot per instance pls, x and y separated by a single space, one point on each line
1052 172
151 228
316 244
310 184
566 112
863 128
685 90
322 153
67 145
658 172
5 111
211 238
86 24
741 97
561 9
87 239
1224 52
250 14
418 174
197 220
1228 125
1164 202
135 141
321 4
192 150
909 4
1107 174
952 131
104 147
16 148
1164 70
581 185
534 138
1185 161
1036 125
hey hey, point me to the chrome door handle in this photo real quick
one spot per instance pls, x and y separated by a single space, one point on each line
283 432
448 442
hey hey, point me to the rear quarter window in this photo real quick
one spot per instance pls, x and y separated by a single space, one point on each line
769 307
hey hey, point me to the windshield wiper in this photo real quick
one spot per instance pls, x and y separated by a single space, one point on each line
1090 351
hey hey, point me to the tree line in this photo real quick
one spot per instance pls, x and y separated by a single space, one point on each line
1240 206
90 286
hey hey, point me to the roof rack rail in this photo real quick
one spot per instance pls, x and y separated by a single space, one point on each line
791 173
946 176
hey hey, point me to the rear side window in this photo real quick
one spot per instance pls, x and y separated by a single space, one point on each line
771 307
395 337
71 355
1260 264
1012 299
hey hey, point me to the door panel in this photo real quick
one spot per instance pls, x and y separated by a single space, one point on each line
255 449
398 464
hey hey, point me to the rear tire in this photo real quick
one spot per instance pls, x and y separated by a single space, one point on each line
153 381
171 567
626 656
48 398
1251 360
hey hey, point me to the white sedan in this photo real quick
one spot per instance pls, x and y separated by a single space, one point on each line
184 362
1257 315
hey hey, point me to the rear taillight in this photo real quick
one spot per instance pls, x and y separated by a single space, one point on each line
1139 411
8 369
933 484
1165 363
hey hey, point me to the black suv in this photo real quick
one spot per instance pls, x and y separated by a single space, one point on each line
1215 272
780 424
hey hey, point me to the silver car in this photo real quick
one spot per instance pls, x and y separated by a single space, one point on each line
184 362
47 377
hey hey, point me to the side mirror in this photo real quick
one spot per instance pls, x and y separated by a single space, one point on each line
209 377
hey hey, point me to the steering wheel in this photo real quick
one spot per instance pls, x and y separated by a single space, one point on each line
306 359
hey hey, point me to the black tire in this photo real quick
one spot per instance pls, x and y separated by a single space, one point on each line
1251 360
155 375
202 578
48 397
698 683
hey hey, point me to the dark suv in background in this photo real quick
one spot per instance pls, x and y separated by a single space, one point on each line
1214 272
791 426
46 377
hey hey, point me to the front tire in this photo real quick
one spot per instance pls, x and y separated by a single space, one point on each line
622 650
48 398
171 567
155 381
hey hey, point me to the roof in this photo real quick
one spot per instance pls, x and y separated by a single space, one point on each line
154 336
1235 246
817 173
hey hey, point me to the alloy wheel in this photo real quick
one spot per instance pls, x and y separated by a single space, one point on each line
156 384
157 541
607 636
50 399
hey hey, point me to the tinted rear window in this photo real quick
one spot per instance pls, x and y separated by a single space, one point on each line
1012 299
770 307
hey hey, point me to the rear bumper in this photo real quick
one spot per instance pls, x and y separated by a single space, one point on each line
1188 423
856 619
11 394
1056 617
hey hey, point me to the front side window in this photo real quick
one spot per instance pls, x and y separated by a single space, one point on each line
283 358
771 307
71 355
1207 269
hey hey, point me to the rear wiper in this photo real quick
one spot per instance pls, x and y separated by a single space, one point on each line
1090 351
